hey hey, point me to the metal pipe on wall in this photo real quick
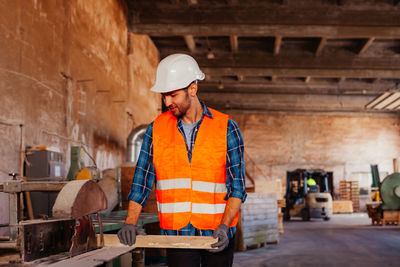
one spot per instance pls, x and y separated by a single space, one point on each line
134 143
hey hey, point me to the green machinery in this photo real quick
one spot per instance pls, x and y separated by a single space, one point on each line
390 192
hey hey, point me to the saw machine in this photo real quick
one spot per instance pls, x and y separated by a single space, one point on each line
69 237
70 230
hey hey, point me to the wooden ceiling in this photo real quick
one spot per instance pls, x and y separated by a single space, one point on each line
327 56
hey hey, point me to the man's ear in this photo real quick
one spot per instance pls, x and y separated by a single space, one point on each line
192 90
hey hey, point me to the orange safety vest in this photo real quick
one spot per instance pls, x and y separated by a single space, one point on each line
191 192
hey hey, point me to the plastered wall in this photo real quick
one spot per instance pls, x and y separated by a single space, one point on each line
71 74
347 146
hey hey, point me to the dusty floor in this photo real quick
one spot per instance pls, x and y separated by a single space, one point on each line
346 240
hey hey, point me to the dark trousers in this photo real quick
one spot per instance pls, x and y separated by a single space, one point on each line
200 257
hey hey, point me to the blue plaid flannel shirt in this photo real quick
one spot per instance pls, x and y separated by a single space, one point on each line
145 174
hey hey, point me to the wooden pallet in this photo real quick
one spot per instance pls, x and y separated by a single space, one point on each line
391 217
258 221
349 190
342 206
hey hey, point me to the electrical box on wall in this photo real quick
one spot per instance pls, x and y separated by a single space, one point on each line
44 165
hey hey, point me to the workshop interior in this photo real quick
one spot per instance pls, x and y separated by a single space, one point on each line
313 86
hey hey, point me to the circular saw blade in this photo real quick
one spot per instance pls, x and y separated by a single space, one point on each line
84 238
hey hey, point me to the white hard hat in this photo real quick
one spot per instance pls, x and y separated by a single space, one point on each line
175 72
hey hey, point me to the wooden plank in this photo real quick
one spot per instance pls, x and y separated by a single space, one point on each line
367 45
277 44
39 186
13 213
190 43
307 79
163 241
321 46
92 258
43 186
234 43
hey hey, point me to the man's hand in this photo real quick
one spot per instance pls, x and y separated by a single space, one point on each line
223 241
127 234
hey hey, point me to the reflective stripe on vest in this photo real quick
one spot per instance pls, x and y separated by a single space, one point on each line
186 183
190 192
196 208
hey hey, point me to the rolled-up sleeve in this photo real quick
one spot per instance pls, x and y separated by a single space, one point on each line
235 167
144 177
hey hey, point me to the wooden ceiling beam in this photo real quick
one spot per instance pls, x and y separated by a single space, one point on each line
264 64
348 112
260 89
367 44
294 31
234 43
285 101
190 43
321 46
277 44
346 85
250 20
190 2
303 72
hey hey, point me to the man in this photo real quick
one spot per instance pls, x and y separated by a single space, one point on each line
194 155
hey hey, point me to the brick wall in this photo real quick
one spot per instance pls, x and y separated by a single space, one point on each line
71 74
344 145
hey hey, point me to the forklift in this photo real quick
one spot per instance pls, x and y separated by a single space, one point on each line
307 200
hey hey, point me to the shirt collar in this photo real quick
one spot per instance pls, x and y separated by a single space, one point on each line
206 112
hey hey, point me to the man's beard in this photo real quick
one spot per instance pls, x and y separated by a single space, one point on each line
182 109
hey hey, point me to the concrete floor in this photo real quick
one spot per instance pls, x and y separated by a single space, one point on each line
345 240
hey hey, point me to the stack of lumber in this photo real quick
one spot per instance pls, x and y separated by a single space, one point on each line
342 206
258 223
281 204
349 190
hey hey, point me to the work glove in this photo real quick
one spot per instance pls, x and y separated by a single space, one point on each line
222 234
127 234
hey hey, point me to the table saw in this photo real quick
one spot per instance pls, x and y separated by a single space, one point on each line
75 233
